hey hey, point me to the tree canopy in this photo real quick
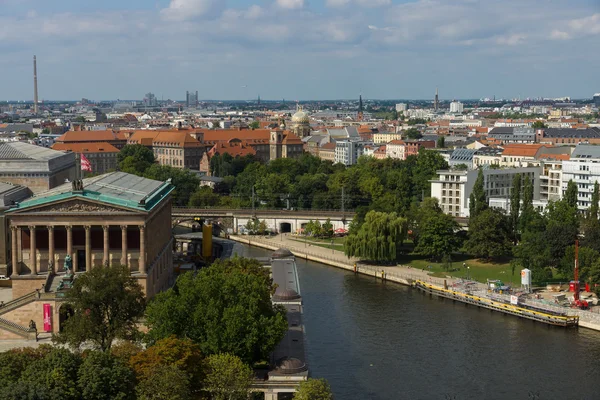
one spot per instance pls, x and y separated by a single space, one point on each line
314 389
227 377
435 233
379 238
489 235
107 303
225 308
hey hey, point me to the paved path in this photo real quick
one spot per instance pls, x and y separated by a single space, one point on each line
295 244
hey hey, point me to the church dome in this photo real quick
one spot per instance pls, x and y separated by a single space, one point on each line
301 117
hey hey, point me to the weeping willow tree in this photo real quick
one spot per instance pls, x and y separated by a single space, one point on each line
379 238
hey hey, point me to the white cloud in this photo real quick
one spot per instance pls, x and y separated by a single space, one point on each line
336 3
373 3
180 10
265 35
511 40
362 3
290 4
559 35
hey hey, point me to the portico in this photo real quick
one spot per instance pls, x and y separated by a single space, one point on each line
39 248
112 219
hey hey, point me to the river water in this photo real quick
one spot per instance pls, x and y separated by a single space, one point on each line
374 340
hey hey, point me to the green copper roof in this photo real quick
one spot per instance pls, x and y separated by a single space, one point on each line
117 188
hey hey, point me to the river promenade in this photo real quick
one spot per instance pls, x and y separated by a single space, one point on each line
404 275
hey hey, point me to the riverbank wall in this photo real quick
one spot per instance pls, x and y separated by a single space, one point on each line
380 273
586 319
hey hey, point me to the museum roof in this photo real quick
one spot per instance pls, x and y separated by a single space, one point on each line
116 188
26 151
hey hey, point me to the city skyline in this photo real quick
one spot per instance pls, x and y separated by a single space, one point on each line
298 49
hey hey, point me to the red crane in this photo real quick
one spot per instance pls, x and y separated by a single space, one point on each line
575 284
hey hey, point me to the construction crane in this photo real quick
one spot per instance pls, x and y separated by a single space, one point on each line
577 302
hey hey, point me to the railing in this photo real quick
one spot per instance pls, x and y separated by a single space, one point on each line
225 211
17 329
377 271
18 302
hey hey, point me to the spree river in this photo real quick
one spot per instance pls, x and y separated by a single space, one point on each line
374 340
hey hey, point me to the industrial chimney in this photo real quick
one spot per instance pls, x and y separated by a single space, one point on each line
35 91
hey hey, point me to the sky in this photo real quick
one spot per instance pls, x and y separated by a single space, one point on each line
300 49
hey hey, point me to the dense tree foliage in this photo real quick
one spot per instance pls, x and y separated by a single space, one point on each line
379 238
515 205
314 389
104 377
478 199
434 233
489 235
225 308
107 303
227 377
55 374
164 382
308 182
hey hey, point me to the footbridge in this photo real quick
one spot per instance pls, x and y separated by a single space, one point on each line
278 220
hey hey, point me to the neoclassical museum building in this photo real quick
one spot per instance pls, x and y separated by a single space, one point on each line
115 218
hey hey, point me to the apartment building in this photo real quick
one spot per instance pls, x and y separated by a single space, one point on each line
395 149
386 137
347 152
584 169
551 180
453 188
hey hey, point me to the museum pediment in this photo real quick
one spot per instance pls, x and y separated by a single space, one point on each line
77 206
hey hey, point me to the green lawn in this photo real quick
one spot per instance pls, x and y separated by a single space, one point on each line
478 270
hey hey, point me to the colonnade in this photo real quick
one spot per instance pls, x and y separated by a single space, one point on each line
16 231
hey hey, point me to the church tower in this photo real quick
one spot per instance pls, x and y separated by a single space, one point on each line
361 110
275 143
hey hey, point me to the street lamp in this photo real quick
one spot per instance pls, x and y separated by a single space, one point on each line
468 275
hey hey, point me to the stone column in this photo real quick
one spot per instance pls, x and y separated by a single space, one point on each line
124 245
269 395
15 251
51 249
32 251
69 229
19 246
105 259
142 259
88 248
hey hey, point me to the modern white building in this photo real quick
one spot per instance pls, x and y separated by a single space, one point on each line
551 180
453 188
584 169
395 149
401 107
456 107
347 152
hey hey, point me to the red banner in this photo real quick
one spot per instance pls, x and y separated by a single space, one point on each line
47 317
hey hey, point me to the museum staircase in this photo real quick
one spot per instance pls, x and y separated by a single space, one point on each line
52 281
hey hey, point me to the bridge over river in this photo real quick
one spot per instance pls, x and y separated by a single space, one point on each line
276 219
281 221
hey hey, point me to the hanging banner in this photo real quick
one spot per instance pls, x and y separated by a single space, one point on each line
47 317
